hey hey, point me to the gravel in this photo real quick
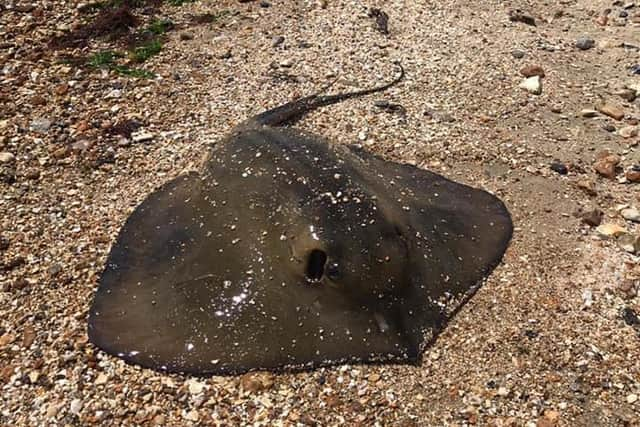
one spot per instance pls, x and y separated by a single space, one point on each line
526 350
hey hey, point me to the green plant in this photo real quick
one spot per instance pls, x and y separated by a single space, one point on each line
133 72
146 51
159 26
102 59
179 2
209 18
107 59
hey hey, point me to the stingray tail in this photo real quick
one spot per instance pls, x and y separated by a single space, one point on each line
293 111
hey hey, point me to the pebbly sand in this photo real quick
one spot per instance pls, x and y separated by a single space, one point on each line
552 338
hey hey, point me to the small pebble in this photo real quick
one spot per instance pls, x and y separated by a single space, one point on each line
628 132
101 379
629 243
503 391
585 43
40 125
630 317
195 387
631 214
559 167
4 243
76 406
610 230
627 94
532 85
614 111
532 70
588 112
633 174
587 297
6 157
192 415
277 41
592 218
52 410
34 376
518 15
606 165
142 136
287 63
373 378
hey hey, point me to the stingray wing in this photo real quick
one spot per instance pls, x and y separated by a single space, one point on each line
458 233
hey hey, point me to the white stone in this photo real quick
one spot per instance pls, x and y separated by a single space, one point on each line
52 410
196 387
142 136
631 214
610 230
588 112
628 131
587 297
76 406
532 85
6 157
629 243
115 93
102 379
192 415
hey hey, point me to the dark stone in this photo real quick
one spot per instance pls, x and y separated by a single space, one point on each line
14 263
592 218
559 167
55 269
382 19
630 317
4 243
277 41
389 107
519 16
585 43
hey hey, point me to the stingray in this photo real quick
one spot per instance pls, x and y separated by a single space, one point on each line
284 251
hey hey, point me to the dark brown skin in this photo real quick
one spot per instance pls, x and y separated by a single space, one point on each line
289 252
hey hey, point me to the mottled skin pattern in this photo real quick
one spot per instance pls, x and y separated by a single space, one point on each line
286 251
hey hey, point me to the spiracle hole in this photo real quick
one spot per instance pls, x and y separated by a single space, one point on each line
315 265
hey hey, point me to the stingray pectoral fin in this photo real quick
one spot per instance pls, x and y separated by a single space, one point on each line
457 233
154 247
464 230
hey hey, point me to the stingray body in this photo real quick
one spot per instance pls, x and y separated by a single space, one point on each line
285 251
